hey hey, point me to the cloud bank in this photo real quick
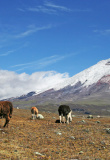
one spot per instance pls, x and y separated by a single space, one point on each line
13 84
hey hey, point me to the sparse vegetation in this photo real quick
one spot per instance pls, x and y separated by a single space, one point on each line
79 107
27 139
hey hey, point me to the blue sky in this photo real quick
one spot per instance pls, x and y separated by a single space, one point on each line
65 36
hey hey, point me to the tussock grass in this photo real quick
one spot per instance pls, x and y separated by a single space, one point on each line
25 138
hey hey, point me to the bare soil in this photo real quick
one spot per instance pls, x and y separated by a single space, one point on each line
27 139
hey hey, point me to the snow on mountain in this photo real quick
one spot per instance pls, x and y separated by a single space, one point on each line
89 76
92 82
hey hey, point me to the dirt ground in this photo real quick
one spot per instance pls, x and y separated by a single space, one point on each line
27 139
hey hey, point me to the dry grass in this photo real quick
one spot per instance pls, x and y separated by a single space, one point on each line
81 140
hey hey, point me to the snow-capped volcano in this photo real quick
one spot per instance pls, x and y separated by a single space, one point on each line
89 76
92 83
87 92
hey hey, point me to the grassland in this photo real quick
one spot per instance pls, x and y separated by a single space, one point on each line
93 106
26 139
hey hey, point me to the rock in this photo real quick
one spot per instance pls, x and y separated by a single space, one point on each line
72 137
58 133
97 121
98 116
15 150
48 112
108 130
81 152
37 153
40 116
92 143
54 117
83 121
1 129
102 142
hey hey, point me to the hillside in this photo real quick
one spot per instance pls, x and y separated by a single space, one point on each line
26 139
90 87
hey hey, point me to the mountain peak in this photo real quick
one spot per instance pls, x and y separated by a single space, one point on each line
90 83
88 76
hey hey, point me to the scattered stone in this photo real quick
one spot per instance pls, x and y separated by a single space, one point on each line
97 121
48 112
81 152
72 137
58 133
108 130
83 121
54 117
102 142
3 132
37 153
98 116
81 138
103 147
1 129
15 150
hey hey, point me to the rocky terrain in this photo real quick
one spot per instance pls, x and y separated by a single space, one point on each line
88 91
27 139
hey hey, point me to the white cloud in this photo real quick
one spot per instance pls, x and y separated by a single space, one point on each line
58 7
20 9
50 60
102 32
32 30
49 8
13 84
42 9
7 53
40 64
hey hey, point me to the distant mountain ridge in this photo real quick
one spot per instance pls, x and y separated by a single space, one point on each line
93 82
